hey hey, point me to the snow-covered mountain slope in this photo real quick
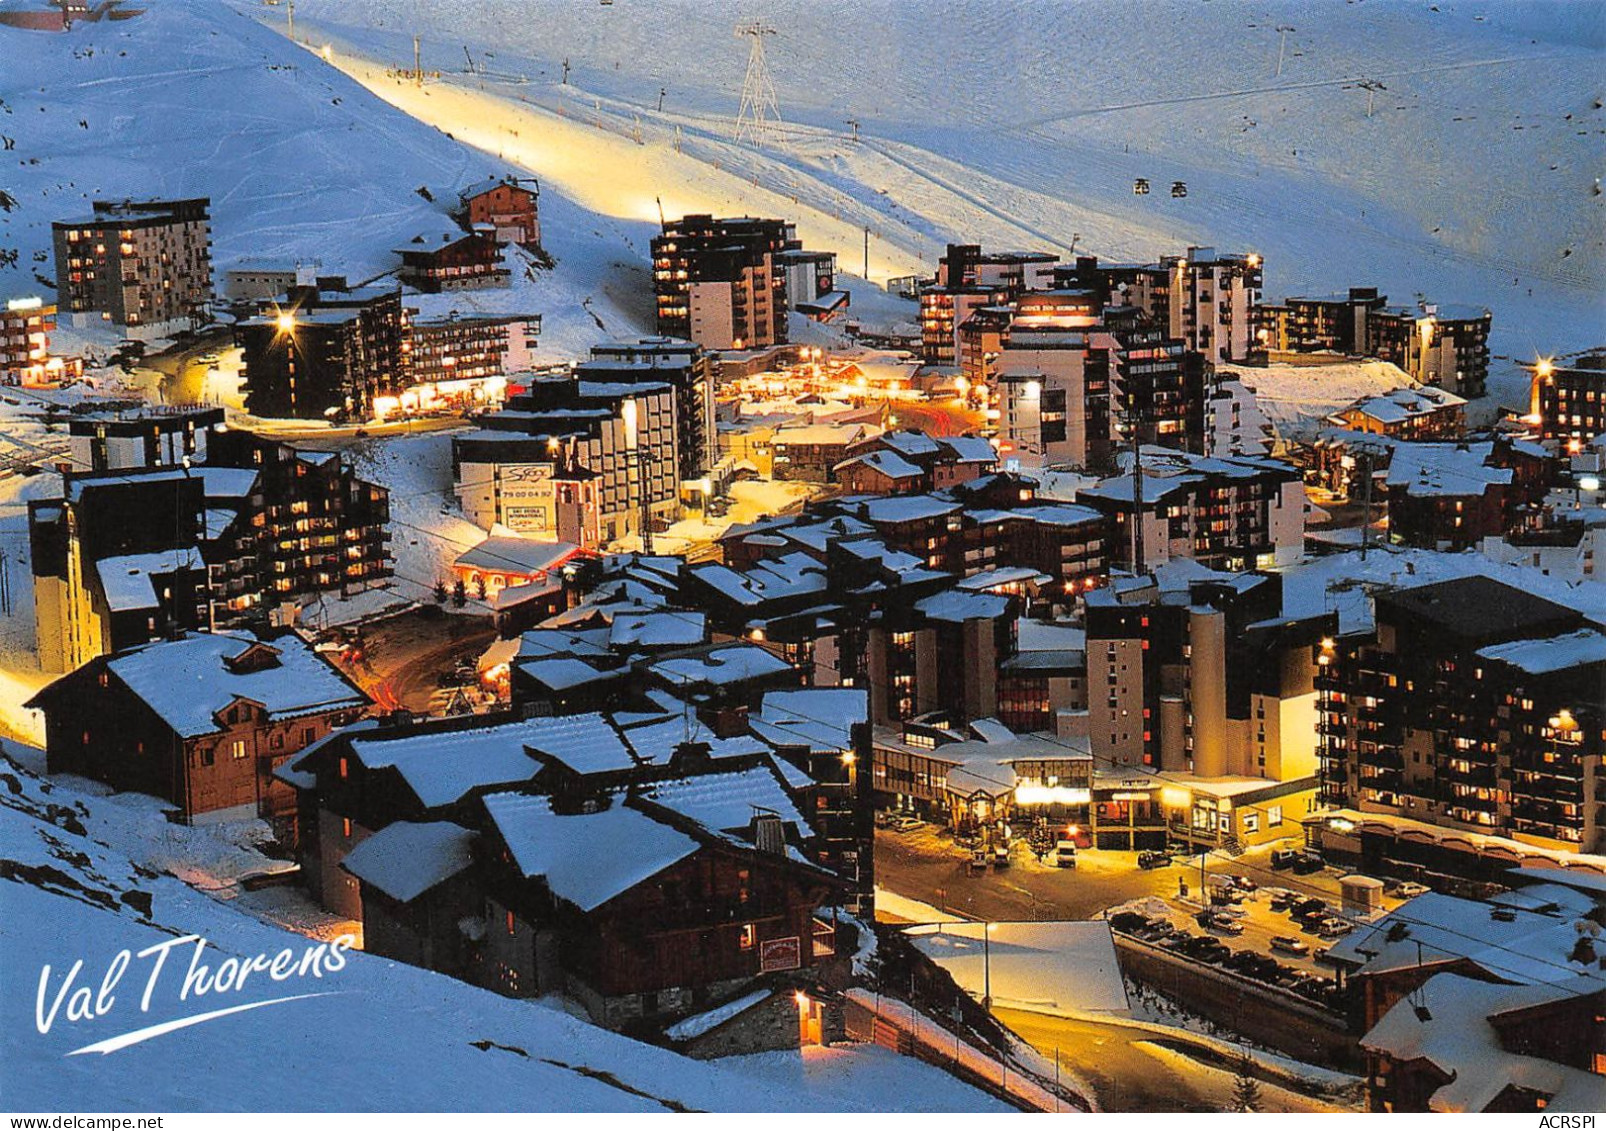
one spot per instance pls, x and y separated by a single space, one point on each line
301 163
1472 180
375 1036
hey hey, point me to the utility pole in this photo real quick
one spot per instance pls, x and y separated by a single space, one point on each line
565 72
867 253
1371 86
661 92
854 122
1282 31
418 64
292 13
5 584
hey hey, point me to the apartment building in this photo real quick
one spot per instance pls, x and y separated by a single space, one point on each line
720 282
687 368
1569 401
580 461
1226 512
1470 704
1446 346
143 266
328 351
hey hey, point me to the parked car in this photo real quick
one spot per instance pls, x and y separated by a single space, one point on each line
883 819
1309 862
1244 883
1288 944
1411 889
1211 921
1129 922
1065 854
907 824
1302 906
1000 856
1153 860
1332 928
1283 858
1205 947
978 864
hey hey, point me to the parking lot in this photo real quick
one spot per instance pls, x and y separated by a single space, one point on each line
925 863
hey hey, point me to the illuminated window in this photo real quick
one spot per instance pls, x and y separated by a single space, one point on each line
748 938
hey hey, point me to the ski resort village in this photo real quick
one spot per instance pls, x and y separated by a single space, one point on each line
631 556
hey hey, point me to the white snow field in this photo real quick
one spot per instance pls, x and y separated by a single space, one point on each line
382 1036
1473 179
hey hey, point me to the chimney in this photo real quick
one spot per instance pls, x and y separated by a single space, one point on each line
768 834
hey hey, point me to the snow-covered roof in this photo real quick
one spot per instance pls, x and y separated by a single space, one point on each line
890 464
565 673
665 628
404 859
587 744
909 442
441 767
126 579
727 803
819 718
657 739
1398 405
187 681
1063 514
1050 967
995 576
1043 636
544 643
699 1023
490 184
1574 649
970 449
1521 946
908 508
821 434
1448 1023
731 663
227 482
522 556
586 859
792 576
1445 469
957 605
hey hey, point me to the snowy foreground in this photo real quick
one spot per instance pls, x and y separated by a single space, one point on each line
359 1033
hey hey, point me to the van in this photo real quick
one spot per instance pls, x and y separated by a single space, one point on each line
1283 858
1065 854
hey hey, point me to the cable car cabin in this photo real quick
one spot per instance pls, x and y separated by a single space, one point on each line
1140 187
1179 188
